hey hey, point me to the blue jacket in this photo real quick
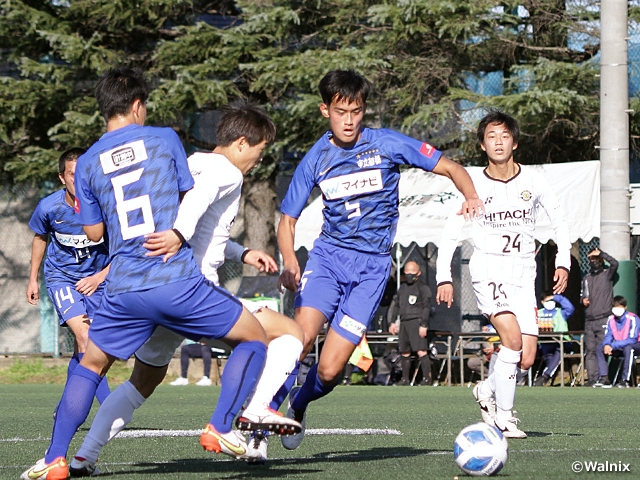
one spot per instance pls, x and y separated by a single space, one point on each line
566 310
630 339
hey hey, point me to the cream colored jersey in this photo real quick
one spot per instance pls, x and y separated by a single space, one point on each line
503 239
208 211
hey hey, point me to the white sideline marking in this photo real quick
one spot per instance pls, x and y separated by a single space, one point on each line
310 431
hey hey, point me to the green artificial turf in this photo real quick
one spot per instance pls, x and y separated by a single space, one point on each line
565 425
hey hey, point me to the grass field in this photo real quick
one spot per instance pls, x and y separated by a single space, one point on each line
564 425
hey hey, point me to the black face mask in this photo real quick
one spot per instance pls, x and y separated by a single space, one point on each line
410 278
596 266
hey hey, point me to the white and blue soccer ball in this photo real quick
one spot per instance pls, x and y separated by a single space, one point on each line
480 450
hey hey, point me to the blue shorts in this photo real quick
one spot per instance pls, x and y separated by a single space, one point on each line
194 308
346 286
70 303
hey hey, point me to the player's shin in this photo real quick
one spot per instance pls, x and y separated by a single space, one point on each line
114 414
238 380
505 378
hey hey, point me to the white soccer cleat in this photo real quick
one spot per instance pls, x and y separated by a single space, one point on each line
487 405
257 447
203 382
291 442
509 428
267 420
56 470
180 382
81 467
231 443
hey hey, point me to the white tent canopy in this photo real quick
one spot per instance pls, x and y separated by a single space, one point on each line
427 199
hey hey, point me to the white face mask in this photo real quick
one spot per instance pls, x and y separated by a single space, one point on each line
618 311
549 305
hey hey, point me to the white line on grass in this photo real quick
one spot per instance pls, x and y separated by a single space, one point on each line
310 431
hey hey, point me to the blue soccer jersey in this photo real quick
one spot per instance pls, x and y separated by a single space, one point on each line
131 179
359 186
71 256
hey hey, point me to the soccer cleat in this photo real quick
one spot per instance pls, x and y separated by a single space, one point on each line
257 447
81 467
204 382
291 442
509 428
268 420
56 470
487 405
180 382
232 443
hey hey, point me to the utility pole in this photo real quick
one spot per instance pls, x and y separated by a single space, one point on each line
614 143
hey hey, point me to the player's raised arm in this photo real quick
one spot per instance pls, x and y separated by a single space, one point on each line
472 206
290 276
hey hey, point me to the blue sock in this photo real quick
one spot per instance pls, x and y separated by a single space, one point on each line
238 380
103 388
73 363
72 410
286 387
312 389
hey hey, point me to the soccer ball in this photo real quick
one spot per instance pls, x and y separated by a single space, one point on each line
480 449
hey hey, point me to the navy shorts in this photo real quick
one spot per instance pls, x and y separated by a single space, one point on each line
70 303
194 308
346 286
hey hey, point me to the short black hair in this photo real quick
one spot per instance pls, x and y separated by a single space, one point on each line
339 84
545 294
70 155
620 300
118 89
244 119
496 117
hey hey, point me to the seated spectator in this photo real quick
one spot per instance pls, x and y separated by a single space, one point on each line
483 357
621 339
556 310
411 306
194 350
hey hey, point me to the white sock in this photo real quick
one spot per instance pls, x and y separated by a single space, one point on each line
520 374
113 415
505 378
282 356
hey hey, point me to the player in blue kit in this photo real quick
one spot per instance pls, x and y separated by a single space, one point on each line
128 184
74 266
357 170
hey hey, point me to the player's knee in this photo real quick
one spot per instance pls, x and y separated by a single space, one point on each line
328 374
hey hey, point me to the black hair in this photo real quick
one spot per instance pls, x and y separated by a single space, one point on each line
244 119
118 89
545 294
344 84
496 117
620 300
70 155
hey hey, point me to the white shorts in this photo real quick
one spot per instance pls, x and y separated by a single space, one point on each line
159 349
495 298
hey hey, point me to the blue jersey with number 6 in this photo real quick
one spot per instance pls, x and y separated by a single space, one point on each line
359 186
131 179
71 256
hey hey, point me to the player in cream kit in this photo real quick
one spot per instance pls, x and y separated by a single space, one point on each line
503 266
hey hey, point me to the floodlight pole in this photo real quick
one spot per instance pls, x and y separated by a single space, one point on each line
614 145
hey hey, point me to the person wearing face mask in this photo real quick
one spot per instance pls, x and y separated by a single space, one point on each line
556 309
409 315
596 296
621 339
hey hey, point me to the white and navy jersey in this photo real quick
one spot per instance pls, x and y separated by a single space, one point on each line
131 179
208 211
503 239
71 256
359 186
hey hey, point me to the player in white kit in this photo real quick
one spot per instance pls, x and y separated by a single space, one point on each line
503 266
204 220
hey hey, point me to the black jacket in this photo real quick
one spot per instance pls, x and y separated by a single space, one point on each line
411 302
598 288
